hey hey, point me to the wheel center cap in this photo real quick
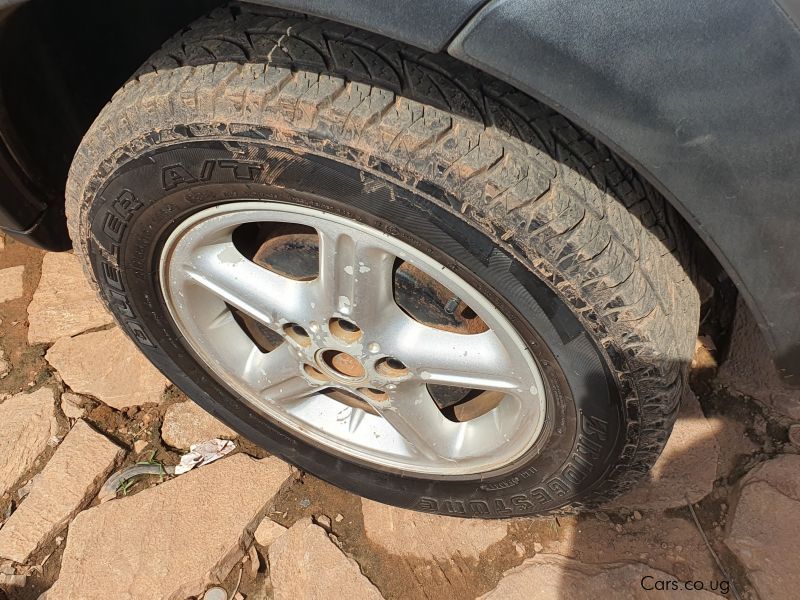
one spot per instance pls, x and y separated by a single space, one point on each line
341 365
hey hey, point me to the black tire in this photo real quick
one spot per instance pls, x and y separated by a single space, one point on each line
578 251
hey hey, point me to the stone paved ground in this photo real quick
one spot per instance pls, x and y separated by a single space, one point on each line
262 530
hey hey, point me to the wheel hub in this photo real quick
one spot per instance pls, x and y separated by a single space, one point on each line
350 338
341 365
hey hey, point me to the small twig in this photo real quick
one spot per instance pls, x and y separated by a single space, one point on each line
710 549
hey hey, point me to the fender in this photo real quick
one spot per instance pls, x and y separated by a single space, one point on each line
702 97
427 24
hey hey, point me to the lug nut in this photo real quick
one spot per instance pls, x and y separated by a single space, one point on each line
297 333
344 330
314 373
374 394
391 367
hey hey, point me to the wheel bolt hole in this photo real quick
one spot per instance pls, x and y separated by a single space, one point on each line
468 313
297 333
391 367
342 364
347 325
344 330
393 363
314 373
374 394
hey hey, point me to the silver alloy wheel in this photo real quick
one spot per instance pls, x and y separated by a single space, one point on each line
343 331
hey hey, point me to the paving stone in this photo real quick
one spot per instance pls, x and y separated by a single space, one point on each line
11 283
72 405
5 364
108 366
268 531
186 423
64 304
794 434
406 532
763 528
27 422
687 466
749 369
11 581
304 563
553 577
170 541
68 482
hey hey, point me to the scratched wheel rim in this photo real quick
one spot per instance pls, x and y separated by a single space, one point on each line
334 358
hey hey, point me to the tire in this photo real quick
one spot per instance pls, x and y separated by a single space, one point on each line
570 246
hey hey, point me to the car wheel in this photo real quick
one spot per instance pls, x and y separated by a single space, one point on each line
398 274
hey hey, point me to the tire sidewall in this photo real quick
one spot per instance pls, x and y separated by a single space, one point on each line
138 205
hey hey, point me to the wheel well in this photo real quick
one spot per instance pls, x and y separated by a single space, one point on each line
61 62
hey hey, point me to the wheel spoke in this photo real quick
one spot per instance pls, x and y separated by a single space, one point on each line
412 412
355 275
446 358
277 376
355 419
256 291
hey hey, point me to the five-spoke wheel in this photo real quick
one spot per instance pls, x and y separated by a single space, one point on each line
352 338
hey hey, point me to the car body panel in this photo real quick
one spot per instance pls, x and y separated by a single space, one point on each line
427 24
702 97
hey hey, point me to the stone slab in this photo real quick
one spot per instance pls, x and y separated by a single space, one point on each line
407 532
68 482
11 286
108 366
268 531
186 423
170 541
64 304
763 528
27 422
304 563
